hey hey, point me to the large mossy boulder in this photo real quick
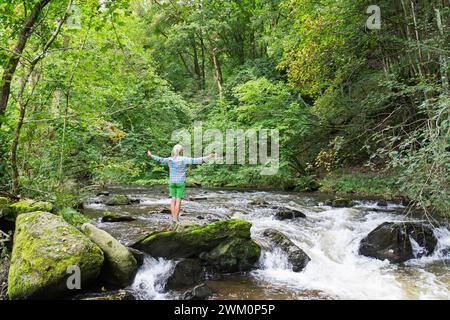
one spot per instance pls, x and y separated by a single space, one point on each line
120 265
3 202
118 200
45 248
10 212
393 241
224 245
296 256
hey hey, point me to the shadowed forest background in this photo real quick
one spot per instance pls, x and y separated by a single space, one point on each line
87 87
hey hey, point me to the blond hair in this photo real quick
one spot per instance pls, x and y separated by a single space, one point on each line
177 150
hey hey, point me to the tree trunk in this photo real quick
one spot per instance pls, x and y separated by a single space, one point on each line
11 64
196 63
202 47
24 103
17 130
217 72
442 58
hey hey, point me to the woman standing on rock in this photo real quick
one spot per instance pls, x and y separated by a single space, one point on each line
177 171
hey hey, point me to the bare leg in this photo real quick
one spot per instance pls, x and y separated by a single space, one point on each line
172 207
177 208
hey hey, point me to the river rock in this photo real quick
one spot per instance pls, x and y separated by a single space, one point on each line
288 213
187 273
138 255
103 193
118 295
200 292
339 203
227 241
259 202
45 246
118 200
296 256
382 203
109 216
120 265
392 241
232 256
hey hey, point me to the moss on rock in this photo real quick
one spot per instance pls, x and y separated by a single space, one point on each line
109 216
73 217
44 247
3 201
226 245
11 211
118 200
172 244
233 255
120 265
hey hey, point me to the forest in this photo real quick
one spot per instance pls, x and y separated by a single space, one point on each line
88 87
358 91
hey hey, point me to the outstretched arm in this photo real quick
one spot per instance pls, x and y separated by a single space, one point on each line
156 158
199 160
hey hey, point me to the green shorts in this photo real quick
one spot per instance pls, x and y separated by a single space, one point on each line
177 190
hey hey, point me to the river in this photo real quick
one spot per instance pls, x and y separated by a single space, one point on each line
330 236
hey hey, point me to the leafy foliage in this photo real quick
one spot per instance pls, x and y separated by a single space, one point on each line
342 96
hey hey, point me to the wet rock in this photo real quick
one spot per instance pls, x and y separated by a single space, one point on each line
392 241
382 203
259 202
289 213
45 246
103 193
109 216
185 225
296 256
200 217
138 255
187 273
120 265
200 292
118 295
118 200
339 203
234 255
163 211
135 201
225 244
197 198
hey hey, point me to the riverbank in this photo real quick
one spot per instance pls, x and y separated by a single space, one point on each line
352 183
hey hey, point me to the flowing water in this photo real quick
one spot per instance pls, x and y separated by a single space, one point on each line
330 237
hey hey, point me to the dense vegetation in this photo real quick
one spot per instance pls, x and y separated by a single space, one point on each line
88 86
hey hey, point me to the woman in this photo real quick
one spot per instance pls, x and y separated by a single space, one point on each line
177 171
